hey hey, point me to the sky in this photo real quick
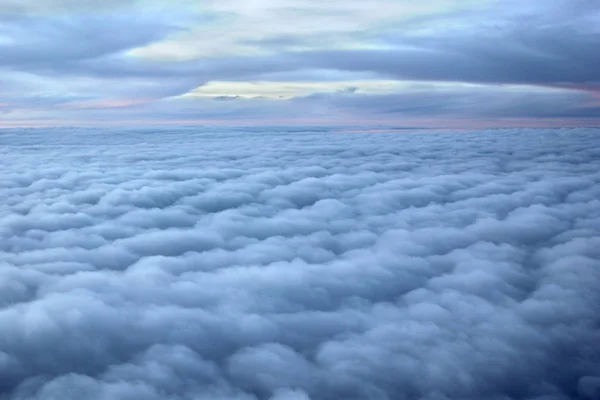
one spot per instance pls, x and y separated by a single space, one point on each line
440 63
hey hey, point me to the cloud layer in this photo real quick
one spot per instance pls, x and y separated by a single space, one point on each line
78 63
220 264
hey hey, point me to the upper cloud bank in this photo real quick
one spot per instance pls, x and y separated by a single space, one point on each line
220 264
63 63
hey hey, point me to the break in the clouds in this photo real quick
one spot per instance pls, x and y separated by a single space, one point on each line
435 63
316 264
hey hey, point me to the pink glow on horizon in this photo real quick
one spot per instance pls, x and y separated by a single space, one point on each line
397 124
106 103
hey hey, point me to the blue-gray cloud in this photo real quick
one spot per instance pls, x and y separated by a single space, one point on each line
248 264
50 43
415 105
86 57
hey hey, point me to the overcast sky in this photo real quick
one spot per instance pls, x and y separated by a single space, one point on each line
440 63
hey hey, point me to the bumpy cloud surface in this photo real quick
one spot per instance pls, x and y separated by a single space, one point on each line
188 264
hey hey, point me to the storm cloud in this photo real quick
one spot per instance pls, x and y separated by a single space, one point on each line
299 264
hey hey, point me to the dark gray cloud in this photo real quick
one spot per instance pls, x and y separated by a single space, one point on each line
53 42
241 264
474 101
83 56
556 46
414 103
552 42
514 42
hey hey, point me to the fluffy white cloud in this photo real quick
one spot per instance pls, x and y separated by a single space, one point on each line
242 264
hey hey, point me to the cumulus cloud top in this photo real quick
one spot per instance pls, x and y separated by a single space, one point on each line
196 264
